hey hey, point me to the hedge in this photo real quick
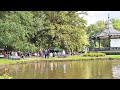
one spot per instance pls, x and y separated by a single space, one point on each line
94 54
107 52
112 53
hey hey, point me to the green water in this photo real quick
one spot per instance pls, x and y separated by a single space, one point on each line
104 69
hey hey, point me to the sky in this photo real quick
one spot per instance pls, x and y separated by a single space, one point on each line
94 16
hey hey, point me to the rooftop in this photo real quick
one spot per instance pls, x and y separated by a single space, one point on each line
109 31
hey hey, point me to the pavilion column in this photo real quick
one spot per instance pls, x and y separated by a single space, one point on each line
99 42
109 42
94 43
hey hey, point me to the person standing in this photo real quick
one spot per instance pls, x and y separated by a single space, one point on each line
63 53
45 53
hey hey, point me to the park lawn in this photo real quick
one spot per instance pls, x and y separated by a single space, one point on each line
6 61
37 59
113 56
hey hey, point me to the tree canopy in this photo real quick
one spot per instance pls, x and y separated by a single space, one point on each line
32 30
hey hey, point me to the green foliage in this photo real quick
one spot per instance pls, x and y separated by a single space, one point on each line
31 30
95 28
116 23
62 29
112 53
94 54
15 27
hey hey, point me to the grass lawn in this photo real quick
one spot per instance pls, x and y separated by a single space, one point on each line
113 56
37 59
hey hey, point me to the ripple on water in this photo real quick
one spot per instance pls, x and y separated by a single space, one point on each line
116 71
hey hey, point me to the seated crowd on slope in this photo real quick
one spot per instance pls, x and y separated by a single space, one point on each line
41 53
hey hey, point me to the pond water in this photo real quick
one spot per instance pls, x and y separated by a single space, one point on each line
102 69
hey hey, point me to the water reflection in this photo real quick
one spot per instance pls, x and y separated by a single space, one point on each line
23 68
51 66
44 65
116 71
41 69
35 67
55 65
64 68
70 65
103 69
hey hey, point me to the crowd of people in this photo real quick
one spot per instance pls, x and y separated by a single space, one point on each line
41 53
47 53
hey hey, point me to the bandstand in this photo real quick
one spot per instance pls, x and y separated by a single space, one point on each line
110 37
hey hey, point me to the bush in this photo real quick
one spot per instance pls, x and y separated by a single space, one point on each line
112 53
94 54
107 52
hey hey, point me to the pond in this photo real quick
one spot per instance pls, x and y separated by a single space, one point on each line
102 69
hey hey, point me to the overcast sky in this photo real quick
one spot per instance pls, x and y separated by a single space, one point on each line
94 16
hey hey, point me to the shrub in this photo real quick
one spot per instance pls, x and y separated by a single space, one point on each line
106 52
94 54
112 53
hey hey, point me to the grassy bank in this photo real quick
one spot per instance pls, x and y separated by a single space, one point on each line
70 58
34 59
6 76
113 56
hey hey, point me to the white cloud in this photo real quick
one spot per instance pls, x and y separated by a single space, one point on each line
94 16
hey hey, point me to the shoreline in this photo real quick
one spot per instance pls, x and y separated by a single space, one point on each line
4 62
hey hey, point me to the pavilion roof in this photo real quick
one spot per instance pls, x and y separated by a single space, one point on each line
109 31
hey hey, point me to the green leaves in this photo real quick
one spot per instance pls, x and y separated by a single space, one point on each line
95 28
31 30
13 29
63 29
116 23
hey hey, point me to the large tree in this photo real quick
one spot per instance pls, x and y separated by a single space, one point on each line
15 27
62 29
31 30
